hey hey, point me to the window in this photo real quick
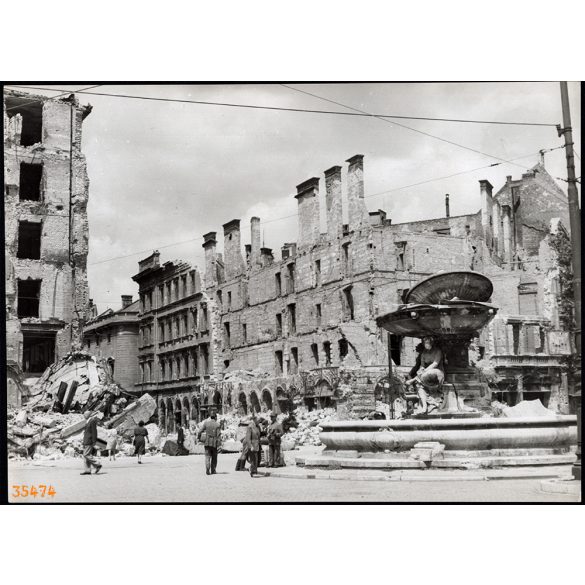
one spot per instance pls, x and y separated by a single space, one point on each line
31 176
204 325
109 338
395 348
315 352
204 354
29 240
229 300
162 370
226 364
290 278
161 295
317 267
343 348
161 332
278 361
346 258
38 351
32 118
185 325
327 352
193 284
220 299
528 298
278 284
294 352
29 293
318 314
292 318
447 231
278 324
226 334
184 283
348 312
244 333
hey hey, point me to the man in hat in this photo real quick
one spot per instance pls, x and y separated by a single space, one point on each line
252 444
428 372
89 440
212 440
275 433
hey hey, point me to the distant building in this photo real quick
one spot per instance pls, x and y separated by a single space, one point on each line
113 337
302 328
46 244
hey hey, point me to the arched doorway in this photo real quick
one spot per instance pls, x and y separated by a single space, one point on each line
242 404
186 412
162 416
178 412
254 402
266 399
170 417
195 409
217 402
282 400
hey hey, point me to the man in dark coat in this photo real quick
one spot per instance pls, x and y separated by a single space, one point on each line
252 443
212 440
275 433
89 440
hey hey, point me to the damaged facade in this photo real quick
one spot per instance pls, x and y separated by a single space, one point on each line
113 336
46 244
302 327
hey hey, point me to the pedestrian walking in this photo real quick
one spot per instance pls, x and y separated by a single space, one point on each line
252 443
140 438
112 444
89 441
275 433
211 441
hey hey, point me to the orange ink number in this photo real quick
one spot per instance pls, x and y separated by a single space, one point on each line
41 490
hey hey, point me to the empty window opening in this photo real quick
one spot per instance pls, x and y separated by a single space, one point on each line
29 293
278 361
395 348
244 333
315 352
226 364
294 352
38 351
32 118
291 278
278 324
343 348
29 240
346 258
226 330
292 318
317 272
348 309
327 352
318 314
31 176
445 231
229 300
278 284
220 299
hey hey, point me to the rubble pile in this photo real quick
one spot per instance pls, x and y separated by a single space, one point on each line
306 427
51 424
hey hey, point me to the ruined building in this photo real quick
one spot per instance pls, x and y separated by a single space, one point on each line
46 245
302 328
113 338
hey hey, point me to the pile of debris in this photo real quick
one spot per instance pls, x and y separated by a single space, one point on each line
51 424
303 427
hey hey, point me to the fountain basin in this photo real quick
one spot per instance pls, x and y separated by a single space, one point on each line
456 434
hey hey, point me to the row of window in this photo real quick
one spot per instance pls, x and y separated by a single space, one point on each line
188 364
293 360
169 292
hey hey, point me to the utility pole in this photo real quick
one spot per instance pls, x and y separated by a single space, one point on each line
575 223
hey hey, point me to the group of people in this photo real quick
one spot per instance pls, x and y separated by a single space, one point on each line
210 435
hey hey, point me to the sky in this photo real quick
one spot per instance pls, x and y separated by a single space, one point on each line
163 173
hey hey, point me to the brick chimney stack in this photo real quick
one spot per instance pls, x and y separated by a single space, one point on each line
308 200
256 243
232 249
209 245
358 213
486 210
333 202
126 301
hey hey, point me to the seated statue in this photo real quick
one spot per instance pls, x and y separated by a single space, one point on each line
428 373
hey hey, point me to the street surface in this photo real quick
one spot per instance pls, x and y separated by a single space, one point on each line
183 479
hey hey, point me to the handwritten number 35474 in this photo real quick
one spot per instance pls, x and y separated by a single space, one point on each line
24 491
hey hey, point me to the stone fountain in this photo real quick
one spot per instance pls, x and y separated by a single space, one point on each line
452 307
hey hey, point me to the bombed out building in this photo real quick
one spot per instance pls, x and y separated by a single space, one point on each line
46 244
301 328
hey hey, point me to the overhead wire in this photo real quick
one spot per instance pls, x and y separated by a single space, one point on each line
50 97
298 110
